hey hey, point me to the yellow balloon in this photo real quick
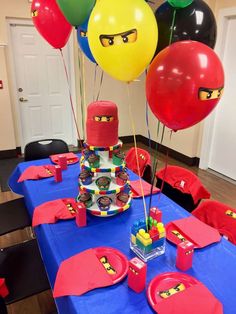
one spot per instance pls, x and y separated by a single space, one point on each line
122 36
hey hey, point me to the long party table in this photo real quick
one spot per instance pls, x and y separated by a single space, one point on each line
215 265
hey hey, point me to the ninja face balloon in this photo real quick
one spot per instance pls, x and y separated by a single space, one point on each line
184 84
122 37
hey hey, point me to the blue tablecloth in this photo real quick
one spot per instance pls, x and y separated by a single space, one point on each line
214 265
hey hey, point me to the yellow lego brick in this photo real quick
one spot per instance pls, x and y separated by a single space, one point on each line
103 213
144 237
160 224
133 239
126 206
162 235
97 192
161 229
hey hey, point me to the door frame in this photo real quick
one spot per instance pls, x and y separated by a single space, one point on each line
209 123
13 83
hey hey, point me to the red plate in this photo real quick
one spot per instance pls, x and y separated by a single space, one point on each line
176 239
116 260
165 282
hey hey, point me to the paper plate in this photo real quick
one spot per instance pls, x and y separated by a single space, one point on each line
114 261
177 238
167 282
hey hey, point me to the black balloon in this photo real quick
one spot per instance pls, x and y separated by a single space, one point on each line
195 22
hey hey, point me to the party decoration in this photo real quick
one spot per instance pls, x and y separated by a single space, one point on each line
194 22
99 188
184 84
50 22
76 11
180 3
122 36
83 40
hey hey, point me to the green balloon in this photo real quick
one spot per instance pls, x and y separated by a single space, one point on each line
76 11
180 3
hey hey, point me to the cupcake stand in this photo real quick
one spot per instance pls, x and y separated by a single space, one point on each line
108 195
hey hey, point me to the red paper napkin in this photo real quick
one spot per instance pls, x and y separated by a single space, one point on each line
52 211
84 271
185 181
136 188
37 172
3 288
194 231
195 300
71 158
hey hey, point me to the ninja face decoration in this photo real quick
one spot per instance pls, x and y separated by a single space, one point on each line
122 37
102 124
184 84
82 37
167 293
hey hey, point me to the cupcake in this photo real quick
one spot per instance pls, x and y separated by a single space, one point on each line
86 198
103 183
121 199
85 177
121 178
104 203
118 158
94 160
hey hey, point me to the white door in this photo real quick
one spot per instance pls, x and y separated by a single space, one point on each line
222 156
42 90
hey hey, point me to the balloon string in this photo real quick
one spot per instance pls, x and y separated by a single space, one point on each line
154 166
84 81
147 122
81 91
70 96
136 155
94 81
101 80
172 26
166 163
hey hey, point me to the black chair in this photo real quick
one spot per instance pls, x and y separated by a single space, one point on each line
182 199
182 186
144 161
44 148
13 216
3 307
22 267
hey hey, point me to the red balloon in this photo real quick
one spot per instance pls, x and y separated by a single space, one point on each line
50 22
184 84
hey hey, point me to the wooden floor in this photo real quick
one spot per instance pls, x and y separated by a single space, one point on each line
220 189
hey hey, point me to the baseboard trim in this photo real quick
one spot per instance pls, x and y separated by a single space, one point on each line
10 153
190 161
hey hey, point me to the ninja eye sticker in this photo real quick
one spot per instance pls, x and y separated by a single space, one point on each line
34 13
83 33
118 39
178 235
167 293
210 93
110 270
230 213
103 118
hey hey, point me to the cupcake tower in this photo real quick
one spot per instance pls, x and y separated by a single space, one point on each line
103 180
